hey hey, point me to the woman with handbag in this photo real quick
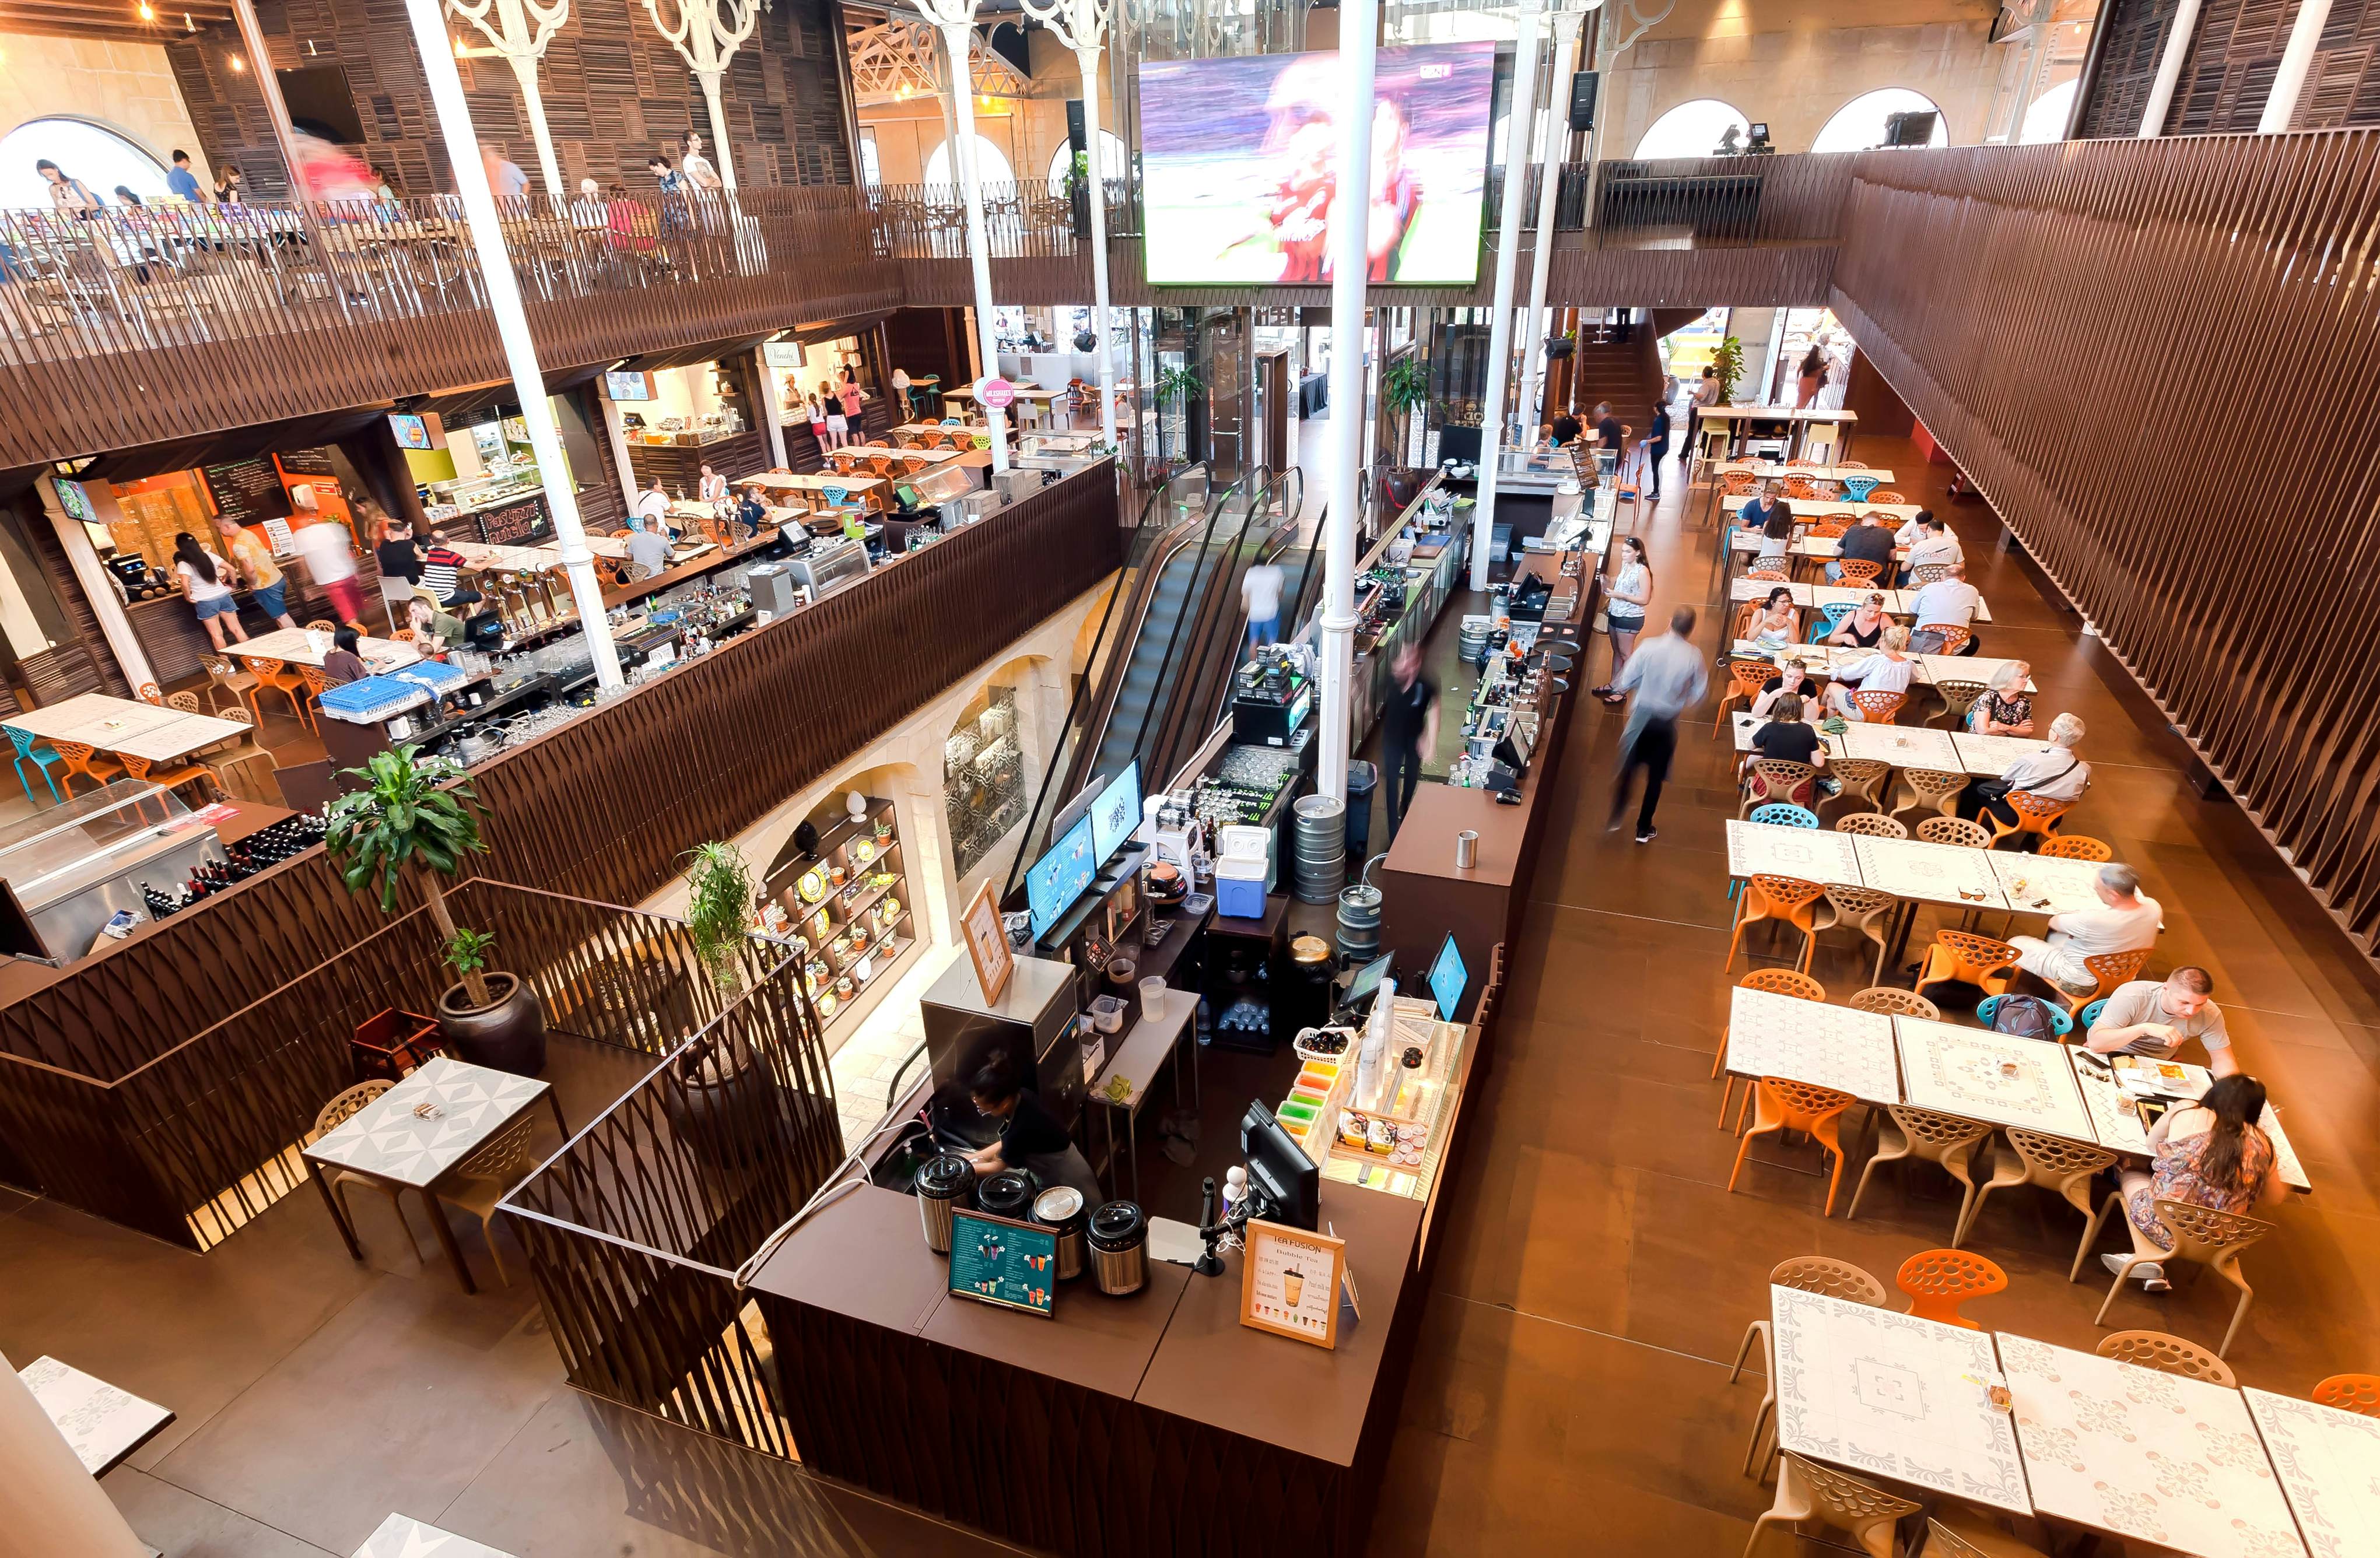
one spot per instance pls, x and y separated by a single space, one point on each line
1631 591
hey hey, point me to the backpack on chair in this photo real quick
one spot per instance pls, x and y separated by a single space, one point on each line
2023 1017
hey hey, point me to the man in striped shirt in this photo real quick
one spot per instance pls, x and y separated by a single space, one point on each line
438 565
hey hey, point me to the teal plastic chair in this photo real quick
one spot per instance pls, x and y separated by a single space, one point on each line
1784 813
953 422
2090 1014
1835 614
1857 487
42 758
2060 1024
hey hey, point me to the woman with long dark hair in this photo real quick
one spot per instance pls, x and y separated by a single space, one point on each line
2210 1154
1813 378
206 585
1631 591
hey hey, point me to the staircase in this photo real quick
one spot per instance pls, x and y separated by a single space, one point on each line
1626 373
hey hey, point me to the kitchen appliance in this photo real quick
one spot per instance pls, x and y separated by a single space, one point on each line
1062 1208
1009 1193
830 565
944 1184
1165 827
772 589
1118 1239
1270 698
1029 1032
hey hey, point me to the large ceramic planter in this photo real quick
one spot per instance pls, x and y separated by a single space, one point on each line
509 1034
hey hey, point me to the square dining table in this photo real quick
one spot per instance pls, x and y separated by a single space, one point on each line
1815 1042
1988 756
295 645
1892 1395
100 1422
1903 747
1806 854
2149 1456
415 1133
1997 1078
2329 1462
1947 874
2121 1130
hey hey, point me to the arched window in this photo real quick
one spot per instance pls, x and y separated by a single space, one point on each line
2046 120
1116 160
99 156
1691 129
1859 123
991 165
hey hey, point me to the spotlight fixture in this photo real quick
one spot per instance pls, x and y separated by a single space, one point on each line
237 63
148 12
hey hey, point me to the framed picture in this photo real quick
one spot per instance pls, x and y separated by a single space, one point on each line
995 1261
1290 1281
987 944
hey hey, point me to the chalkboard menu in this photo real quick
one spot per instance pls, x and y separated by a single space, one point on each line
247 492
994 1261
515 525
307 462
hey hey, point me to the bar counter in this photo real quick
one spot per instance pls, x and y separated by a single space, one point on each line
1154 1423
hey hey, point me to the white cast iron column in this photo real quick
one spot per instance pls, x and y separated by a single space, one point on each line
1500 318
1351 262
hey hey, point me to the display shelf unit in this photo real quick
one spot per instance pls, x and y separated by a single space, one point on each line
983 770
830 918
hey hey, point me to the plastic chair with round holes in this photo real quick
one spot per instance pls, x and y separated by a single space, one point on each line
1834 611
2049 1163
1927 573
82 758
1938 1281
1801 489
1957 697
2035 815
151 694
1864 909
2075 846
1928 1134
2358 1394
1890 495
1858 573
1767 575
1953 830
1781 814
1777 778
1959 1533
1827 530
337 1112
1784 898
1930 789
1780 1104
1737 484
2060 1023
1803 1273
2088 1015
1874 825
1807 1491
1773 981
1965 958
1863 779
1954 637
1857 487
2200 1236
272 674
1745 676
1880 708
2111 969
2167 1354
1891 1000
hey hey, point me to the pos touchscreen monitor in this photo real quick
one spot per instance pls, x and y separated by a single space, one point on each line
1447 978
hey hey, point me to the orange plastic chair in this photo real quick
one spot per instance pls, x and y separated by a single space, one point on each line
2358 1394
318 682
86 761
1857 573
2074 846
1969 958
150 692
1890 495
1781 1103
1938 1281
1747 675
1953 638
273 674
1881 708
1738 484
1774 981
2110 969
2033 815
1777 897
1829 530
147 772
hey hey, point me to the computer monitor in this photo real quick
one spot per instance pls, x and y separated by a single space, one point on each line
906 493
1447 979
1279 1172
1115 812
1060 878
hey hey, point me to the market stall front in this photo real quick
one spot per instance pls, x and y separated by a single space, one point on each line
677 421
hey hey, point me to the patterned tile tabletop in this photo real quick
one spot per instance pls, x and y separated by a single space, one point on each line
1991 756
2144 1455
2329 1465
1903 747
428 1123
1772 1035
1980 1075
2045 884
1808 854
2125 1133
1981 669
1937 873
1887 1395
103 1424
401 1535
1746 723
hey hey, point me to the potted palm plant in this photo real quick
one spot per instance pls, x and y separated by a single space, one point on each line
720 1099
411 819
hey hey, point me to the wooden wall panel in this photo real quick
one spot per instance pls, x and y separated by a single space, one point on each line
2213 278
2136 31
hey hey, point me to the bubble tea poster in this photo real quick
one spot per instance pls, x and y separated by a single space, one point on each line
1289 1283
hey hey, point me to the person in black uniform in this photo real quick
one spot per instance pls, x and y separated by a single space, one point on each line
1408 728
1030 1137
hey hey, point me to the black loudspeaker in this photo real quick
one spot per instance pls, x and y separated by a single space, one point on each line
1582 100
1913 127
1074 126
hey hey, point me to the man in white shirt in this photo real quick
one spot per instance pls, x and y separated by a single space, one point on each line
1260 594
1930 543
652 512
2155 1019
2126 921
2054 773
1948 601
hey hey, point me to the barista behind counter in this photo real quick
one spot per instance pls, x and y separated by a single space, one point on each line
1030 1137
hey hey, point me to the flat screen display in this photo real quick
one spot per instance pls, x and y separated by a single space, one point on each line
1240 157
1060 878
1115 812
628 386
1447 978
412 432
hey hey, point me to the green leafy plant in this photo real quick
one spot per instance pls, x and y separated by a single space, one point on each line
467 950
719 911
1404 386
1180 382
1078 174
1729 360
410 817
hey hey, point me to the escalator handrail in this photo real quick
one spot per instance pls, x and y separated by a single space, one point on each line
1209 662
1193 606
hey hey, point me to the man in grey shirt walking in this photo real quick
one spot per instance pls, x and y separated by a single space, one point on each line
1668 676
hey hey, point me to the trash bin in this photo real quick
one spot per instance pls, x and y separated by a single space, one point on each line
1361 777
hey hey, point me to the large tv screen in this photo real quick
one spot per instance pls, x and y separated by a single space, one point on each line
1058 878
1240 159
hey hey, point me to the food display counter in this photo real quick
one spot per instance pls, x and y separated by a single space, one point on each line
74 869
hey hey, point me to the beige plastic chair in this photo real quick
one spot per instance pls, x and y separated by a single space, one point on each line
1953 830
1874 825
1803 1273
1891 1000
2167 1354
485 1178
1957 699
1929 789
2051 1162
1864 780
1807 1491
1864 910
338 1112
1910 1132
2200 1235
1956 1533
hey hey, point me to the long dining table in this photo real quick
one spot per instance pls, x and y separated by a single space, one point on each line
126 727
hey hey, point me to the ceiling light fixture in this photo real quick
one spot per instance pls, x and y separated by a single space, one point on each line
237 63
148 12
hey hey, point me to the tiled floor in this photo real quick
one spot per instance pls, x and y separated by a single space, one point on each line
1568 1392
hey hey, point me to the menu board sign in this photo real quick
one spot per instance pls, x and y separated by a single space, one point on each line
515 524
995 1261
307 462
247 491
1290 1282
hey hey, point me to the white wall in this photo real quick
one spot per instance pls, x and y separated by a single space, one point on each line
127 86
